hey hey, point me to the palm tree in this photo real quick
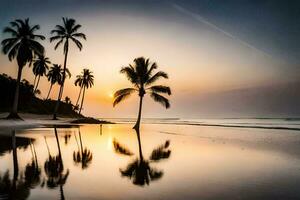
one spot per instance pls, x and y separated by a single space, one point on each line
78 81
40 67
55 75
85 81
23 46
140 74
63 34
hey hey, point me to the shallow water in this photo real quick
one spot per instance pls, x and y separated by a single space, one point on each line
199 163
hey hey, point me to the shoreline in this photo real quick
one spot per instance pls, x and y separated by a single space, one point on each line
37 121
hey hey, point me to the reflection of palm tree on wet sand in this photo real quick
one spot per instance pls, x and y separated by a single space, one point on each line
83 155
32 170
19 186
54 169
140 170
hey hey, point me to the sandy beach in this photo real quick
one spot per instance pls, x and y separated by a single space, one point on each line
31 121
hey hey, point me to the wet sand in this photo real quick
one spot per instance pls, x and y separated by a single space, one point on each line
204 162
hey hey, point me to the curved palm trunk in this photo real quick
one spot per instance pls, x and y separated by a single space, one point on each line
14 112
82 99
63 82
137 127
37 84
78 96
49 91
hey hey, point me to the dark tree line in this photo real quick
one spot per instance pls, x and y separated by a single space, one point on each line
28 102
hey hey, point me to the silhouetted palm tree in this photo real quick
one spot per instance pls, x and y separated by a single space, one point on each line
142 77
78 81
23 46
85 80
55 75
64 34
40 68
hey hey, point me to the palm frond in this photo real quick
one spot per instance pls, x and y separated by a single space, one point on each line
160 99
58 44
153 67
57 32
13 51
156 76
68 73
35 27
78 44
160 89
79 35
130 74
11 31
37 47
124 91
75 28
123 94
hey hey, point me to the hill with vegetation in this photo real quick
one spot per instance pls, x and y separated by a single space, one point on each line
28 102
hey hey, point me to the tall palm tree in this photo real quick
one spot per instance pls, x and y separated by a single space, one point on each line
22 45
85 81
140 74
40 67
64 34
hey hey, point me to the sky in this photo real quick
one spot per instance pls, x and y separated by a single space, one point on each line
231 58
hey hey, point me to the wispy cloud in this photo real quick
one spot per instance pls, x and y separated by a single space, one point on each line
201 19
